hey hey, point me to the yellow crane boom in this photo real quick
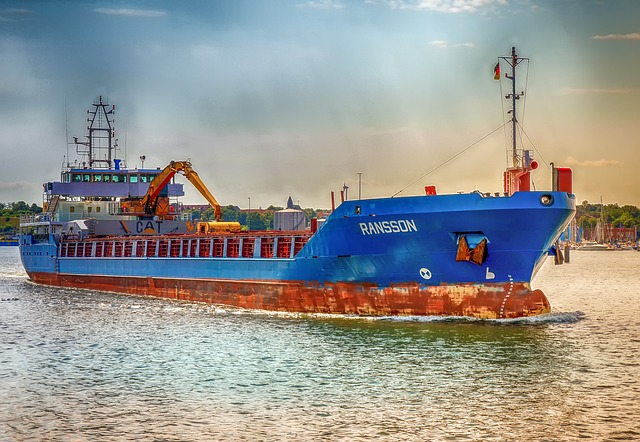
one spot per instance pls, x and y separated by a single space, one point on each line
193 177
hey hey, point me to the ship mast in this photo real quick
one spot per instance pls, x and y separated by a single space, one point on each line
514 61
517 175
101 136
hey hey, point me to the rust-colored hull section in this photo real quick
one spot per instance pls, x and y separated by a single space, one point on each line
487 301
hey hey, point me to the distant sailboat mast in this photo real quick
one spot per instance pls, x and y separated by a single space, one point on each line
601 230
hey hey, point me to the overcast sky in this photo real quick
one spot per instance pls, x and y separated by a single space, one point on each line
295 97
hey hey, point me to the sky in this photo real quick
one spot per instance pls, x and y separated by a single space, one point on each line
271 99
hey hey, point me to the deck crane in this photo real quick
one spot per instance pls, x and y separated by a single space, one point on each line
154 204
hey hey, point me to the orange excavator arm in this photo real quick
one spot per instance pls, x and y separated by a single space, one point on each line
163 178
159 183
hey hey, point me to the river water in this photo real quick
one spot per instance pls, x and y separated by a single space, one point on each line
85 366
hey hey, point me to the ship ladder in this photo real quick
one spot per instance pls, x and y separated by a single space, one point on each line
53 204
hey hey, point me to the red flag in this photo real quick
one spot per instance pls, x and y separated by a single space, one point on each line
496 71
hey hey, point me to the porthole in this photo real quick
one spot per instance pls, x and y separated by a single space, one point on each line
546 200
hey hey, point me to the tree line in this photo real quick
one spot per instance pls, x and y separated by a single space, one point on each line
10 215
255 219
587 215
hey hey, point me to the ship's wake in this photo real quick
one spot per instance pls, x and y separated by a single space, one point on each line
556 317
549 318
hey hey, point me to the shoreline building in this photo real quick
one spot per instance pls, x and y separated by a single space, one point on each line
290 218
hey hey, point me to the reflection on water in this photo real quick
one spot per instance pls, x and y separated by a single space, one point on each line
86 365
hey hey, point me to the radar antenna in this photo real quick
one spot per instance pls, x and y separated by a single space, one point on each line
100 144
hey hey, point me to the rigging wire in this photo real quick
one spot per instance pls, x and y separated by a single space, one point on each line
66 132
526 86
504 114
449 160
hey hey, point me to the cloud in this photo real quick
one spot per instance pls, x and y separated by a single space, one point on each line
592 163
632 36
14 185
578 91
324 4
15 11
11 14
131 12
446 6
445 44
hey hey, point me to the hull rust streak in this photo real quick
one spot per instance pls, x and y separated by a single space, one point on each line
486 301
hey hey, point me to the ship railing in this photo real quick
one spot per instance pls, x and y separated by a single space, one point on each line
30 218
523 157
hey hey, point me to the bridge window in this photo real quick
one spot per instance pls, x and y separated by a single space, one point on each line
133 178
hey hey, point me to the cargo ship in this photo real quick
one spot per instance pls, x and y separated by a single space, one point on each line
108 227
